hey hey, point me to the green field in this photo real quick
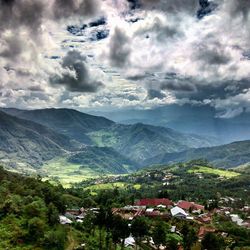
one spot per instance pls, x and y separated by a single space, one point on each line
220 172
104 186
66 173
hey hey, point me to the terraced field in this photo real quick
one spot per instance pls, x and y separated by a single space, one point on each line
220 172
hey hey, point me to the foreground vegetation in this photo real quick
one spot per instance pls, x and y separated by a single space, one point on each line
30 209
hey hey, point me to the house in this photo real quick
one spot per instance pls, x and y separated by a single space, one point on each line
204 230
178 212
73 212
204 218
173 229
186 205
154 202
236 218
129 242
64 220
129 212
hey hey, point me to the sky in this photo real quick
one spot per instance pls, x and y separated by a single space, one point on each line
118 54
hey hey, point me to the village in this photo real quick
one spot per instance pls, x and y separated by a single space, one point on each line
203 218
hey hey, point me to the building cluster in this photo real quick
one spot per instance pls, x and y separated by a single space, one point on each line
166 209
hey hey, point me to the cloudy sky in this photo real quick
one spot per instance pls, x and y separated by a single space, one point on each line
107 54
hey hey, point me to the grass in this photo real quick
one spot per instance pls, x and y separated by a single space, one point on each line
137 186
220 172
66 173
107 186
104 186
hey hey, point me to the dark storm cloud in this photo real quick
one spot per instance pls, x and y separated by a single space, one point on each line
31 14
119 51
77 78
179 85
213 55
13 47
142 76
67 8
172 6
14 14
199 90
36 88
128 96
240 7
153 93
161 31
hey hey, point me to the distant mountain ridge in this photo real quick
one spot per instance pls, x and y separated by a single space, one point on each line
200 120
69 122
224 156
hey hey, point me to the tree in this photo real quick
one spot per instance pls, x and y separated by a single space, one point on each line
55 239
104 219
36 208
88 203
212 242
172 241
36 228
159 234
120 230
189 236
139 228
53 215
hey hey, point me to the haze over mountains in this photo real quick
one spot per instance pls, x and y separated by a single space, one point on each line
203 120
31 138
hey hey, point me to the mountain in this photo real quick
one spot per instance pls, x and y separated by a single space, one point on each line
140 141
69 122
87 141
201 120
25 144
103 160
225 156
23 141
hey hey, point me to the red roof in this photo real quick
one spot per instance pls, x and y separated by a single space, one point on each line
154 202
186 205
204 230
205 219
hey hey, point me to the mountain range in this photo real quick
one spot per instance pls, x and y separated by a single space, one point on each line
34 137
224 156
226 126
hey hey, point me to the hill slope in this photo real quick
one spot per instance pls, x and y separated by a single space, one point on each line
225 156
103 160
141 141
69 122
24 141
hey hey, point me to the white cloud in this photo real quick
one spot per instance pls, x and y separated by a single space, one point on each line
161 46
